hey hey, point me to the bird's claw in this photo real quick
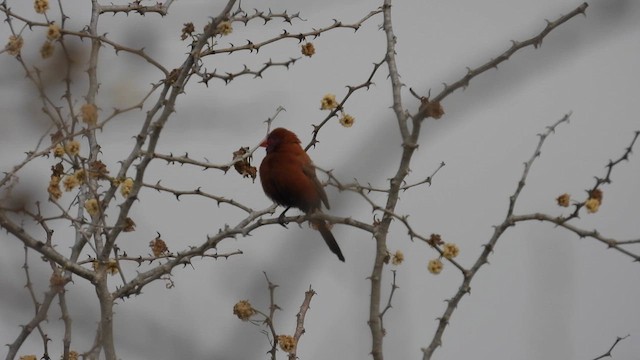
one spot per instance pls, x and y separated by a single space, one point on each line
282 221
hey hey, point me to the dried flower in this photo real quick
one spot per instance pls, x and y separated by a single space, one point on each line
592 205
243 310
57 170
73 355
112 267
53 32
57 281
129 225
596 194
347 120
41 6
243 165
397 258
126 186
54 188
89 114
328 102
431 109
224 28
46 51
563 200
70 182
58 151
287 343
450 250
158 247
72 147
28 357
14 45
435 266
594 201
92 206
80 175
98 169
308 49
187 30
435 239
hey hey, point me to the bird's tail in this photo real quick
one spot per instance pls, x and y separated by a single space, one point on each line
323 227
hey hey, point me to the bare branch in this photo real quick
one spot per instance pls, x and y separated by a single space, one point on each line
582 233
255 46
137 7
306 303
394 287
465 286
608 353
535 41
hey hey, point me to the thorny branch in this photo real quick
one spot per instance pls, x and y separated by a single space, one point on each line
306 304
465 287
563 222
137 7
535 41
608 353
41 310
270 319
350 90
603 180
388 307
251 46
382 229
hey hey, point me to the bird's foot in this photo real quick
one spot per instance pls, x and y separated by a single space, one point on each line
282 221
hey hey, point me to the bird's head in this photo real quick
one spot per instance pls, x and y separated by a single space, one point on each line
277 137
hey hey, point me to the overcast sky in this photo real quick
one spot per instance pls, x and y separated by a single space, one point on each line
546 293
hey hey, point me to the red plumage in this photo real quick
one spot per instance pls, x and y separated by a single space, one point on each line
289 178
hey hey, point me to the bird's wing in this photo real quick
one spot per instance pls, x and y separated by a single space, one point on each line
310 171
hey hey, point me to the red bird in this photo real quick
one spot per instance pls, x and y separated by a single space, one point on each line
289 178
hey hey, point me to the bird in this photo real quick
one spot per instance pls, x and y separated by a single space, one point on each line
289 178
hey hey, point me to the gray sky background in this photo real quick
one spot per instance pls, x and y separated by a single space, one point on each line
546 293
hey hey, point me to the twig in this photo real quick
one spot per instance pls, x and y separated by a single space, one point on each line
608 353
394 287
607 178
198 192
582 233
350 90
306 303
136 6
270 319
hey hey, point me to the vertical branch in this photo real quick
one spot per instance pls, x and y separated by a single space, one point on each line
306 304
66 319
94 148
394 75
382 229
101 283
106 314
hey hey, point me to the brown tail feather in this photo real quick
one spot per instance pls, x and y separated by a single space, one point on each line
329 239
